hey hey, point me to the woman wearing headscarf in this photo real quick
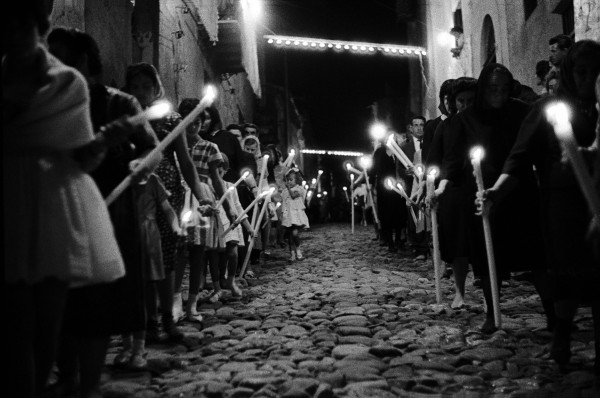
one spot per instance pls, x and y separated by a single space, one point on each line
452 217
493 123
565 216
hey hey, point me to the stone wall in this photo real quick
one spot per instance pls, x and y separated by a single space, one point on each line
587 19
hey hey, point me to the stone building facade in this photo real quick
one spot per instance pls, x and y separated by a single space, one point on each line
189 41
512 32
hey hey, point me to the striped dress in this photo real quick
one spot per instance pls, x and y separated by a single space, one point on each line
205 230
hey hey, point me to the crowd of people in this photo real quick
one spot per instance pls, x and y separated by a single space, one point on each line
542 228
78 271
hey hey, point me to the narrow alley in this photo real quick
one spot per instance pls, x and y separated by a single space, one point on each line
352 320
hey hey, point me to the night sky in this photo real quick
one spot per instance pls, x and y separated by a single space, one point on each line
336 89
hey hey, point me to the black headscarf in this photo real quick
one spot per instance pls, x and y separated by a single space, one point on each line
484 78
584 49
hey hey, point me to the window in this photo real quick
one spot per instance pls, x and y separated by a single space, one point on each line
565 9
529 6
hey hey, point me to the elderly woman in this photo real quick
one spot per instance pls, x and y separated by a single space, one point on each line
493 123
565 216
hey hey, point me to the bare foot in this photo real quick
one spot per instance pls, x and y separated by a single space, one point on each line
235 290
488 326
459 301
216 296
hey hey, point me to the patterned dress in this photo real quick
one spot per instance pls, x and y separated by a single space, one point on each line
206 231
293 214
170 176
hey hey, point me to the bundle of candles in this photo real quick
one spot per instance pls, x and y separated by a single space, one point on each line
156 112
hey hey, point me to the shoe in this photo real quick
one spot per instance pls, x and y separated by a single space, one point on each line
292 257
138 361
299 255
123 358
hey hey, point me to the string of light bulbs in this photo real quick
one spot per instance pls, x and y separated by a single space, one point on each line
332 153
341 45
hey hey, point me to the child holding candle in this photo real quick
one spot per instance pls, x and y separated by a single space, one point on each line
150 196
228 256
293 215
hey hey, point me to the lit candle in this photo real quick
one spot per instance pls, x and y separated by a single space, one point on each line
419 173
255 230
391 143
558 116
319 180
352 201
262 178
437 259
366 163
288 161
346 193
158 110
176 132
247 209
477 154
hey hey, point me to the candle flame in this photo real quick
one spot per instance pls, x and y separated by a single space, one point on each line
351 176
318 195
314 181
292 152
366 162
400 187
558 115
477 153
345 188
187 216
210 93
159 110
309 194
324 193
419 170
245 174
303 183
389 183
277 205
320 172
266 157
348 166
433 172
378 131
389 140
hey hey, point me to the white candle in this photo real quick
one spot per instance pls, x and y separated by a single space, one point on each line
437 258
247 209
477 154
404 159
366 163
389 144
352 199
222 198
255 231
346 193
177 131
558 116
419 173
288 161
263 171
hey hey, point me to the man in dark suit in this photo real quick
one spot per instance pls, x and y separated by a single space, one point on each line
412 147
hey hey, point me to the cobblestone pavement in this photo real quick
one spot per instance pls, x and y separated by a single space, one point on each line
352 320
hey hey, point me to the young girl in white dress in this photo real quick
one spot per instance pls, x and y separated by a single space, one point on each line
293 215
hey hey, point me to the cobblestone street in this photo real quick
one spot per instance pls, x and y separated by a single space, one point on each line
352 320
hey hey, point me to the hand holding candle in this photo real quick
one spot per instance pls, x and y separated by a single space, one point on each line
477 154
437 258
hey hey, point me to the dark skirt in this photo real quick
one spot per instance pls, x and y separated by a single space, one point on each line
116 307
516 235
452 224
575 271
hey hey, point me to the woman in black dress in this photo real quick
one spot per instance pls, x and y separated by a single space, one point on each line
493 123
452 217
565 216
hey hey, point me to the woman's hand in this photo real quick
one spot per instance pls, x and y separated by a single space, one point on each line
138 173
484 202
